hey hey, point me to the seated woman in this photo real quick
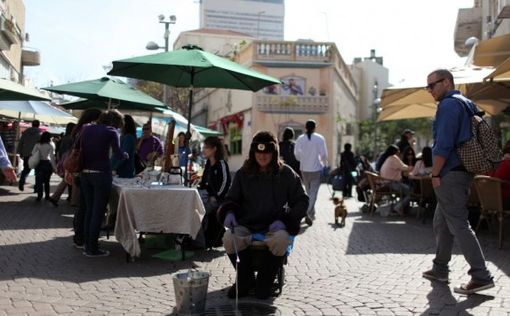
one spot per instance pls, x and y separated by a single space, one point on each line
423 167
503 173
216 182
266 197
392 168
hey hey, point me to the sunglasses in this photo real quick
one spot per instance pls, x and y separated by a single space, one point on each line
431 85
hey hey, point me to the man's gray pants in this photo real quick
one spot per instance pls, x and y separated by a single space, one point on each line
312 182
451 221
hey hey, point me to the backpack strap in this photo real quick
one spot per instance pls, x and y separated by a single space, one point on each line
465 104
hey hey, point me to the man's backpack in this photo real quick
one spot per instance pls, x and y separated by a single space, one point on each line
481 153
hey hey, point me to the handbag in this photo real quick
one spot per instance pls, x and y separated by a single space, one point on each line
34 159
73 163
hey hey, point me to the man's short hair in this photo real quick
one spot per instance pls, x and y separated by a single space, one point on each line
36 123
443 74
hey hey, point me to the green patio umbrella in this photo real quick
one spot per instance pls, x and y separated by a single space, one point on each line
113 91
192 67
12 91
83 104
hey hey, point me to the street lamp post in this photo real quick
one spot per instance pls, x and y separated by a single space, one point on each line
258 22
153 46
375 103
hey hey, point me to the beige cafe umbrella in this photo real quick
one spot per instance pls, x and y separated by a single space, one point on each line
501 72
399 103
493 51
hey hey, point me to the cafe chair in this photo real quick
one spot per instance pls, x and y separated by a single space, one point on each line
489 194
380 188
259 250
423 194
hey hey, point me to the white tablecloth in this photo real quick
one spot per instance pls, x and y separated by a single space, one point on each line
159 209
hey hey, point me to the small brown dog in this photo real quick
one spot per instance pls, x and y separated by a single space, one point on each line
340 210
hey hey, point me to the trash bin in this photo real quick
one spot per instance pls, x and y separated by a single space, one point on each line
190 292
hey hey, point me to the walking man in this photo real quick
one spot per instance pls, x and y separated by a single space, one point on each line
451 184
312 154
26 143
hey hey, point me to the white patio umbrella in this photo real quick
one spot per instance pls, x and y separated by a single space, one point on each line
35 110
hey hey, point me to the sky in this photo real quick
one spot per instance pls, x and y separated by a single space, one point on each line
78 39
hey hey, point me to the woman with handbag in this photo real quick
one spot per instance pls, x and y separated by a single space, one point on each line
45 150
96 176
89 116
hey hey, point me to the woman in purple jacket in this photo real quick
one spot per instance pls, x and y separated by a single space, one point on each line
96 176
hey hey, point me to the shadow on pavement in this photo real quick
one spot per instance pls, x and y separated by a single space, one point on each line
380 235
442 301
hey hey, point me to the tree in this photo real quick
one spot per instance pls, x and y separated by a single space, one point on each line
374 137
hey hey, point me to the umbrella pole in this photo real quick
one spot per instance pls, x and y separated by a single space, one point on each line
187 181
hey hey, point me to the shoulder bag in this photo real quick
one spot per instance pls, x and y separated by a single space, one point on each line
73 163
34 159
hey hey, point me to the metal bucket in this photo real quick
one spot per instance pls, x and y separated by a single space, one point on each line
190 292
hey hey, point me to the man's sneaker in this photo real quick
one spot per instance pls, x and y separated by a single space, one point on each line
97 253
308 221
78 246
472 287
434 276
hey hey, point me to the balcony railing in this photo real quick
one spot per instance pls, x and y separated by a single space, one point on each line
292 104
292 51
10 33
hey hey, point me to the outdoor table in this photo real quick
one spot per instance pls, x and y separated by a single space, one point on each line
171 209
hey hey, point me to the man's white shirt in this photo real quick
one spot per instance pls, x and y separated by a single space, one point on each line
311 153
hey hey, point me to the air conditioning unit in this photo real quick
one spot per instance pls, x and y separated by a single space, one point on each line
504 9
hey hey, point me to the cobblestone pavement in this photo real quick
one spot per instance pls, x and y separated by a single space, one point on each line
370 267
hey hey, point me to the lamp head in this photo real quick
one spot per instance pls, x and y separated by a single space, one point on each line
151 46
161 17
173 18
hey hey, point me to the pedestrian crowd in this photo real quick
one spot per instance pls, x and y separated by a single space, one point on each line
274 190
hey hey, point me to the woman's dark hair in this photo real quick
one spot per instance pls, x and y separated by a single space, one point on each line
310 128
87 116
111 118
426 156
347 147
390 151
129 127
45 138
405 156
69 128
251 166
215 142
288 134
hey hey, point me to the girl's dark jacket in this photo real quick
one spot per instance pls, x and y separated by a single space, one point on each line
257 200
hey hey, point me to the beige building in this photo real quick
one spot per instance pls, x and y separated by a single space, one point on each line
371 78
317 84
13 56
486 19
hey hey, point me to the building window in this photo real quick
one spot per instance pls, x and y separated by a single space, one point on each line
348 129
236 140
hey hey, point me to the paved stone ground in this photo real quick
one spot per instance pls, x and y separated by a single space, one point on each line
370 267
